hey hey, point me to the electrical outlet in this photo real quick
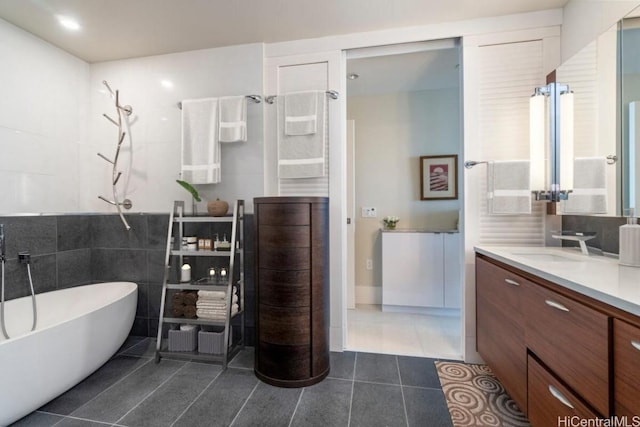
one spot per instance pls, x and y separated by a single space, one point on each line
369 264
369 212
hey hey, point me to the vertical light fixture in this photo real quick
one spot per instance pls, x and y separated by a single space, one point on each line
566 141
560 113
537 126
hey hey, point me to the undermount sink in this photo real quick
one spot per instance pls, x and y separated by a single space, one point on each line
537 256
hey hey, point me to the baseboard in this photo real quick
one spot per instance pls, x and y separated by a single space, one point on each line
432 311
368 295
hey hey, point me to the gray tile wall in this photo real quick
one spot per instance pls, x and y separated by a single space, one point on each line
607 229
72 250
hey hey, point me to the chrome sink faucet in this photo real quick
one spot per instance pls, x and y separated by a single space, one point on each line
576 236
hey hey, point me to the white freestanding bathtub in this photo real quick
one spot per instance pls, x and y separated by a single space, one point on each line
78 330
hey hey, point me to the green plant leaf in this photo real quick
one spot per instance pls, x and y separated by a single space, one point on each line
190 189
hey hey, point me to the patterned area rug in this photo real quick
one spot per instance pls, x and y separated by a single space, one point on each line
476 398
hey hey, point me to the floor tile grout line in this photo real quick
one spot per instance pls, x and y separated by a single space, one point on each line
244 404
196 398
353 383
296 408
109 388
151 392
404 402
65 417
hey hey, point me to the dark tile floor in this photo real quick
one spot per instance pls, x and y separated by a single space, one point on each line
363 389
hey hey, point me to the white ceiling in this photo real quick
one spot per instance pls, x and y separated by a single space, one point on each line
118 29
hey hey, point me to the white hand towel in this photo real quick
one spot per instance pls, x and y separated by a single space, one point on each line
216 314
302 156
508 187
301 113
185 327
200 146
233 119
589 195
214 303
204 294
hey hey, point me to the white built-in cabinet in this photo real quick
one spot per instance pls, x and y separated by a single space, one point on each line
420 270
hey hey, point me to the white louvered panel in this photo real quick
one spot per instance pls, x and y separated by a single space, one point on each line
508 75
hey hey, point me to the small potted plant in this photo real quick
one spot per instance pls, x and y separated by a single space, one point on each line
214 207
390 222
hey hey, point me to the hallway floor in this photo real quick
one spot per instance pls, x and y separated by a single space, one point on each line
362 389
369 329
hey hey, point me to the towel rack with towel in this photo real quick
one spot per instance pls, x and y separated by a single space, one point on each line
333 94
255 98
611 160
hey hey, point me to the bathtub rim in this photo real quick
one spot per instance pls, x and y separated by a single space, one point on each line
129 287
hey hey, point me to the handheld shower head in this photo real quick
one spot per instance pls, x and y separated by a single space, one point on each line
2 244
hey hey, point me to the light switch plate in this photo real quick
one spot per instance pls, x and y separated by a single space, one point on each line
369 212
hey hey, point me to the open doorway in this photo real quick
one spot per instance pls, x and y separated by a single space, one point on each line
403 102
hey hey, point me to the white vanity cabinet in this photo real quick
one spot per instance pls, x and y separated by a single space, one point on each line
420 269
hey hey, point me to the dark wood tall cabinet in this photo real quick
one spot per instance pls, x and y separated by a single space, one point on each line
292 290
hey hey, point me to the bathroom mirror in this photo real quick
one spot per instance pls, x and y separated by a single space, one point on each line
591 75
629 67
605 79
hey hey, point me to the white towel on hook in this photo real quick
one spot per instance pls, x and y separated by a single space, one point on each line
301 113
508 187
233 119
302 156
589 195
200 145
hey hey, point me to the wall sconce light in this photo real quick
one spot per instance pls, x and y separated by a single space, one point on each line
560 115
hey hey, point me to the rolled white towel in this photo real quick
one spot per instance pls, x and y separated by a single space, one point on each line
185 327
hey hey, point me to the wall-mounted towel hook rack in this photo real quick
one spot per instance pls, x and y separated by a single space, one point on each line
115 173
333 94
255 98
471 163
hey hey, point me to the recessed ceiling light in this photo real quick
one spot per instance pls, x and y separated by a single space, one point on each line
68 23
168 84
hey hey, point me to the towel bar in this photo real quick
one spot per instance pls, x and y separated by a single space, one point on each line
255 98
333 94
471 163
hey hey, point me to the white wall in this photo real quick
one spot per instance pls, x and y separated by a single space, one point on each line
392 131
155 159
583 21
42 126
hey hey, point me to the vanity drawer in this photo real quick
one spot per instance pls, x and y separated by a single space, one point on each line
626 368
500 327
572 340
550 402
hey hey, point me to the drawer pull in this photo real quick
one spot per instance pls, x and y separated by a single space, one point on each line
512 282
555 305
635 345
556 393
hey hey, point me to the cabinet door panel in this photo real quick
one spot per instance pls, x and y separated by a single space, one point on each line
572 340
550 402
500 327
412 269
626 365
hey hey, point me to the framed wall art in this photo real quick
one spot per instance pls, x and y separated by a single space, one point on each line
439 177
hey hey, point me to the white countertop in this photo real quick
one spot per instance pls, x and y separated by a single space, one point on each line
420 230
598 277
